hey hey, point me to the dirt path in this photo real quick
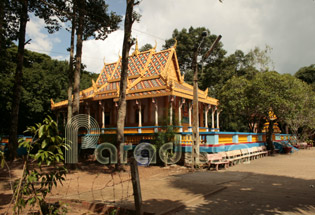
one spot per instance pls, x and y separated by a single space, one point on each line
283 184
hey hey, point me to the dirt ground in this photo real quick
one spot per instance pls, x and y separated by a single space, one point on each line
281 184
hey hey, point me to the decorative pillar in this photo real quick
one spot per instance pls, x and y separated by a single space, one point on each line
207 107
212 117
139 116
89 114
156 115
218 121
171 110
180 115
102 114
189 112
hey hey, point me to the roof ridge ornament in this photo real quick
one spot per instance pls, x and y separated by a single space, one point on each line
136 52
175 44
94 86
154 48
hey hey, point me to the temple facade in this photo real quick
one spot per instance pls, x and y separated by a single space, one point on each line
156 94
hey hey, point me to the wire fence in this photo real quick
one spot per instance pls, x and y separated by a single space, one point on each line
114 189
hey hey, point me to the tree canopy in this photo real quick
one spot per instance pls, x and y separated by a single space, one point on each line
44 79
307 74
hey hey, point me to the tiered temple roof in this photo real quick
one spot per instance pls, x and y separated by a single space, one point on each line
150 74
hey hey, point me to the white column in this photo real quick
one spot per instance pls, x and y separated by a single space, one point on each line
171 110
103 114
212 117
218 116
180 115
102 106
139 116
206 116
189 112
156 116
89 114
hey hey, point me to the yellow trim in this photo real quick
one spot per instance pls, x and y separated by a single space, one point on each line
148 89
142 71
146 96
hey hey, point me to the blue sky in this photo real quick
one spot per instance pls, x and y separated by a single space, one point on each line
288 26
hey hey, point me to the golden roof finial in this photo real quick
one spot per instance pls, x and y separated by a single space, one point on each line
94 86
206 92
174 46
104 61
155 45
119 54
136 52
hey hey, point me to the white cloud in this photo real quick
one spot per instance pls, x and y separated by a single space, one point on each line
286 25
40 41
60 57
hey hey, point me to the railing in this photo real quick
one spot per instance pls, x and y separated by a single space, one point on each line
209 141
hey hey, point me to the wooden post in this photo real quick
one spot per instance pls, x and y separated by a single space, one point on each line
136 186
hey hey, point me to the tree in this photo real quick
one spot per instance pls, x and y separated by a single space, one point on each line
43 79
307 74
187 40
301 117
259 99
218 68
146 47
46 150
88 19
21 9
130 18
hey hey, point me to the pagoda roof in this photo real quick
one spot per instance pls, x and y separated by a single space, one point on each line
150 74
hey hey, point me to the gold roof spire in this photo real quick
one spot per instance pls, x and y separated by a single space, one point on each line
175 44
136 52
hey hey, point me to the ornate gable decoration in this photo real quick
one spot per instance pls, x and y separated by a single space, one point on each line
150 73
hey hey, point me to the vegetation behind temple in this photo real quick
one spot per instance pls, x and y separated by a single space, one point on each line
44 78
241 81
247 85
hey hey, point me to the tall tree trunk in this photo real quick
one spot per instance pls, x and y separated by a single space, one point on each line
70 77
124 73
13 141
78 56
270 145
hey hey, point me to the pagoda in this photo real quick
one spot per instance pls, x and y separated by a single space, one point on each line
156 93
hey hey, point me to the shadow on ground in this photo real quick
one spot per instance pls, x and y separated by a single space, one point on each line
248 193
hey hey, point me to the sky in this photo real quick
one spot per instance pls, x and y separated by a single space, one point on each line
287 26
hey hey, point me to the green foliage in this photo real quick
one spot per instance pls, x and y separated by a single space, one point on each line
249 101
218 68
45 150
165 135
146 47
307 74
44 79
187 40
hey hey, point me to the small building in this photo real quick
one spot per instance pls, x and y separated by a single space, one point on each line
156 94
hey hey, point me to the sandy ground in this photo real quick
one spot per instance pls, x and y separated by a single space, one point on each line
281 184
